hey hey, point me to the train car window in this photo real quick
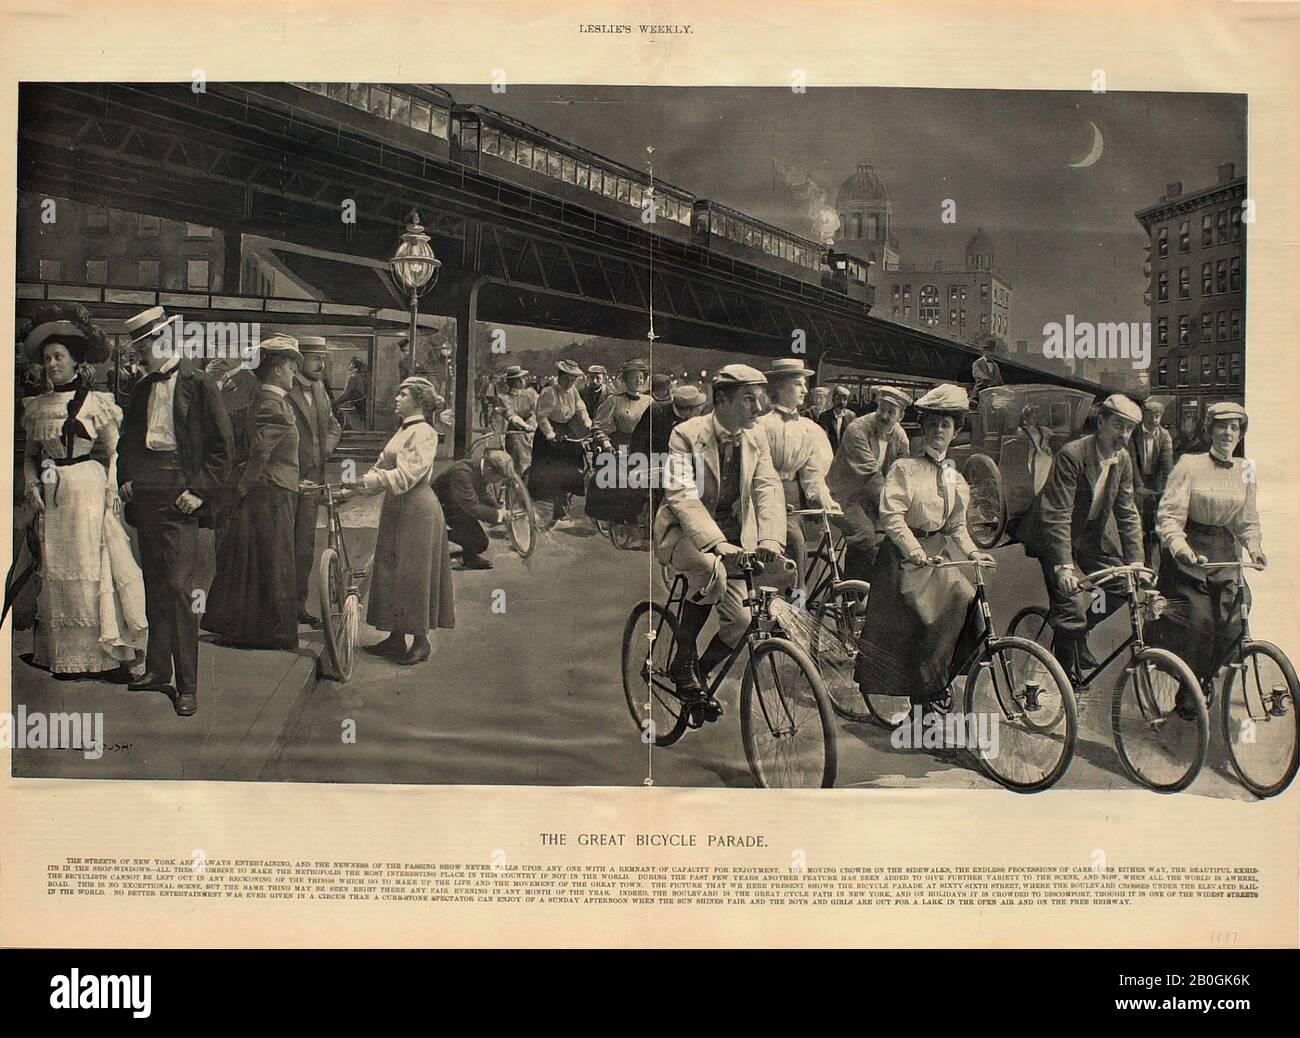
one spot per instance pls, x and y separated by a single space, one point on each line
379 101
401 108
420 115
339 92
634 194
357 94
524 154
610 186
553 164
624 189
491 141
507 148
569 170
582 175
469 136
440 117
539 159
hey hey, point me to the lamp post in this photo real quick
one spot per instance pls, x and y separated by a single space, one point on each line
415 269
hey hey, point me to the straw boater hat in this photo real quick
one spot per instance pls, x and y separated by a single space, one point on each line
1118 403
788 366
313 344
597 369
739 375
896 396
147 323
568 367
279 346
944 400
70 325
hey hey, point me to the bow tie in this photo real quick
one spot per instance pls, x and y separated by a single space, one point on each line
157 376
1223 463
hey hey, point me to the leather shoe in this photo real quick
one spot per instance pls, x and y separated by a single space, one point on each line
150 683
393 648
186 703
475 562
306 618
683 673
418 653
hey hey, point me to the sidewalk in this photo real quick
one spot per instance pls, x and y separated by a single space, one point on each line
248 698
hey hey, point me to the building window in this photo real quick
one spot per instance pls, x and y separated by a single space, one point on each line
150 226
1207 370
1236 224
197 230
1184 330
97 219
907 291
907 313
1234 275
196 274
1162 242
1223 226
1184 237
51 270
1182 371
1207 230
1221 369
1221 279
97 272
952 317
1162 331
1162 287
963 293
1234 377
1223 325
895 311
896 291
928 305
1162 373
984 320
984 293
1207 279
1184 283
1236 325
147 274
1207 327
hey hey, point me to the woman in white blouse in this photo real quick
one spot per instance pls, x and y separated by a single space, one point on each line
410 584
1207 514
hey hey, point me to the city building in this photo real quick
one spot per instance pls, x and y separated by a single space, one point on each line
966 303
1196 268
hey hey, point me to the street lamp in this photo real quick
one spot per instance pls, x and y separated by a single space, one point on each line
415 269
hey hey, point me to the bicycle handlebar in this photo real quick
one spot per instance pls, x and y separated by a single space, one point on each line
977 563
1111 572
1226 565
814 511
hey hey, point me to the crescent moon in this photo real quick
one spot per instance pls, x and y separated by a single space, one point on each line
1095 153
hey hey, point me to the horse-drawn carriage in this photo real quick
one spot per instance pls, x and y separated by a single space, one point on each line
1002 461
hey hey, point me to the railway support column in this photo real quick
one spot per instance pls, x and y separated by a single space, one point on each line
466 303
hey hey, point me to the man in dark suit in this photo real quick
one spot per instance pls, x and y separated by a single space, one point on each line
318 435
462 490
173 458
1152 450
1069 529
835 419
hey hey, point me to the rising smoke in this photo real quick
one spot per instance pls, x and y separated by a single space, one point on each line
821 214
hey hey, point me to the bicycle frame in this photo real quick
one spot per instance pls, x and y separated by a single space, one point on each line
1135 642
826 550
1234 650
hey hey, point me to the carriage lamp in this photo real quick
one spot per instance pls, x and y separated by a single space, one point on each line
415 269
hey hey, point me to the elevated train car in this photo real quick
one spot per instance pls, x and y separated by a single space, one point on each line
415 116
727 231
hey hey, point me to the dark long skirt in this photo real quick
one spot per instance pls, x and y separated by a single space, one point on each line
920 625
557 467
254 597
617 503
411 585
1200 622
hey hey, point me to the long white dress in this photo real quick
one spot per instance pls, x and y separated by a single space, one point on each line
90 613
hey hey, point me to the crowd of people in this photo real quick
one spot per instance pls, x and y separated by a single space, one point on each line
243 452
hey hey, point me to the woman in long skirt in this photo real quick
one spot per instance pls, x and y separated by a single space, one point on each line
1207 514
253 601
91 609
919 625
410 585
562 418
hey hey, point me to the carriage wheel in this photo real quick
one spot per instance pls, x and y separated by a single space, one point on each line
987 516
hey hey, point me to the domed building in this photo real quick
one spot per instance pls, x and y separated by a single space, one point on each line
866 218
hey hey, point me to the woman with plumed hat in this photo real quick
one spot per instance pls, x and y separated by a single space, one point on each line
562 419
919 624
1206 514
91 607
253 601
410 584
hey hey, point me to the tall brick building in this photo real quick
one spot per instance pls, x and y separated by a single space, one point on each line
1196 266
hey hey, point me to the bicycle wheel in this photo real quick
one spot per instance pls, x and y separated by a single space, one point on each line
649 638
1159 721
833 640
340 610
1260 722
521 524
786 720
1020 720
1031 624
986 517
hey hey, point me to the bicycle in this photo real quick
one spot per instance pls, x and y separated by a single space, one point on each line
1257 721
837 607
338 586
1030 699
1159 718
785 713
510 492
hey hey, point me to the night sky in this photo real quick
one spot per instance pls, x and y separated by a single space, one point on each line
1065 239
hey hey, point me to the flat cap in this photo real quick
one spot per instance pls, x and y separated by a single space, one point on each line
739 375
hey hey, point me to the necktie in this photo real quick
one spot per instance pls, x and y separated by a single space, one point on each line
1099 488
725 447
1223 463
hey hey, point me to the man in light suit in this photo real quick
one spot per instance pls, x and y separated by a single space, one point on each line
1071 528
318 435
721 497
870 444
1152 449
